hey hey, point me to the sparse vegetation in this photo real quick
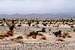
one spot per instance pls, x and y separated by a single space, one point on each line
44 24
43 30
33 34
72 26
57 33
37 24
49 29
19 25
60 39
29 23
1 36
60 34
19 37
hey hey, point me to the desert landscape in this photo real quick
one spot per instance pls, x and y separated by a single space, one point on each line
37 34
37 24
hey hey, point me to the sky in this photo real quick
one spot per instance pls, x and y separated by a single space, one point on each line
36 6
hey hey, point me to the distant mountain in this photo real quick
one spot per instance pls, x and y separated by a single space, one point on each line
61 15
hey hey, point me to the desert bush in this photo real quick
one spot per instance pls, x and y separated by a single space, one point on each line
43 30
40 34
37 22
1 36
3 19
10 33
71 20
44 38
19 25
72 26
69 36
66 35
6 35
19 37
29 23
33 34
49 29
60 40
33 25
44 20
57 33
44 24
50 22
33 20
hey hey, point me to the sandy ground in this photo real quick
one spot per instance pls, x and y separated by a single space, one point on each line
37 44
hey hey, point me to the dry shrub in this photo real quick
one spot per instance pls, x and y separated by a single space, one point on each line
69 36
40 34
43 30
19 25
60 40
57 33
6 35
34 35
43 38
10 33
1 36
64 35
19 37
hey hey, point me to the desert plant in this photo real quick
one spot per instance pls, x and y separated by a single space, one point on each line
69 36
71 20
72 26
50 22
11 27
33 20
43 30
57 33
66 34
10 33
1 36
49 29
19 37
6 35
44 38
33 34
44 24
29 23
60 39
44 20
37 22
19 25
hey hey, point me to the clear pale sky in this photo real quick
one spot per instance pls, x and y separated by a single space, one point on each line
36 6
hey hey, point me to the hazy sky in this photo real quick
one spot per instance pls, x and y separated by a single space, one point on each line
36 6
